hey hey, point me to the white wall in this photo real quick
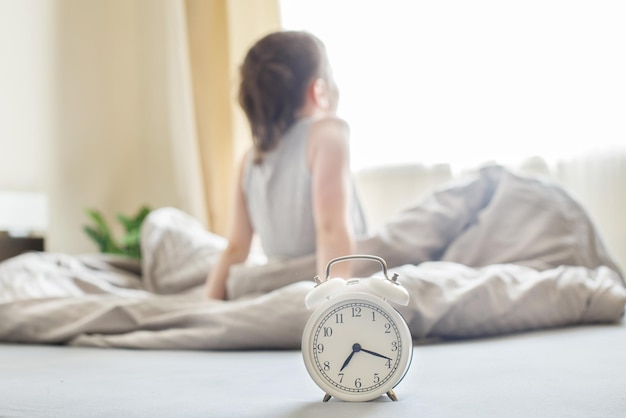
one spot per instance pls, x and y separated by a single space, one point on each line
85 108
26 29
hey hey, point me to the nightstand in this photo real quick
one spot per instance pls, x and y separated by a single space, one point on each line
11 246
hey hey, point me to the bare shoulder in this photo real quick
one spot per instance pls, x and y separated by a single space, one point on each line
245 160
247 155
330 126
329 140
330 132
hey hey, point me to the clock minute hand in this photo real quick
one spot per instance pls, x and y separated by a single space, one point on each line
355 348
374 354
345 363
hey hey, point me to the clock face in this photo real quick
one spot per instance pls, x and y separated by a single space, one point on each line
357 348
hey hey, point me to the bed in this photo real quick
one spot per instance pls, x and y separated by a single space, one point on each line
567 372
516 309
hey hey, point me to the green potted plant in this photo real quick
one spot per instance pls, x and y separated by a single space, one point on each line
130 242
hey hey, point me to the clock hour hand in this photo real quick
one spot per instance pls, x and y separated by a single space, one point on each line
355 349
374 354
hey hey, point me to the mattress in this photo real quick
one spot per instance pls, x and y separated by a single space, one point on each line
563 372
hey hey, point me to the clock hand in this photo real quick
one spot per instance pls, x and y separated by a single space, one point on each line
345 363
374 354
355 349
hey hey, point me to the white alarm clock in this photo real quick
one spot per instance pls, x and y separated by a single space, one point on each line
355 345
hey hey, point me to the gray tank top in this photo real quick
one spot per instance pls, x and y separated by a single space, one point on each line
279 200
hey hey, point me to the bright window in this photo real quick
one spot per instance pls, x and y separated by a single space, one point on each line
464 82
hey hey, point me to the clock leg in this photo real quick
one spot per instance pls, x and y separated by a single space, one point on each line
326 397
392 396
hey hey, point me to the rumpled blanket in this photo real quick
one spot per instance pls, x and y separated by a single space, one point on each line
493 253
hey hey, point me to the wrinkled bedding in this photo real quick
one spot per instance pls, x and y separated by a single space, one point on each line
493 253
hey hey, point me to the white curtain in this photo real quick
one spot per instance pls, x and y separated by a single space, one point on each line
124 135
219 34
103 106
462 82
433 88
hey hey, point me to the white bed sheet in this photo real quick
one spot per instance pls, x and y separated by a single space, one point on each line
494 254
568 372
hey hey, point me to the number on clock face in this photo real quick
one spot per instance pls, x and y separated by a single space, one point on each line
356 347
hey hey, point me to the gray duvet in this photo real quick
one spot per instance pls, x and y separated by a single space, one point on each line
494 253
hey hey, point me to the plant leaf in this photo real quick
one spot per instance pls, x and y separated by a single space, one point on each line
129 244
96 236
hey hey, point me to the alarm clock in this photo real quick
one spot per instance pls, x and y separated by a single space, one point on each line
355 345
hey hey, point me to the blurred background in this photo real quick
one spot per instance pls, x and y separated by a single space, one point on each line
115 104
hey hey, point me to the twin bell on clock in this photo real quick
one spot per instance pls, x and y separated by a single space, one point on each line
355 345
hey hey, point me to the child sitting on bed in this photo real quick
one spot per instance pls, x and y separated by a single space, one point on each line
293 188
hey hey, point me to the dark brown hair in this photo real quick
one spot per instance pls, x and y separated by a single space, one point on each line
275 75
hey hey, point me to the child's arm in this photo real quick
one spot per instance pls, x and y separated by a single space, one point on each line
239 242
329 159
